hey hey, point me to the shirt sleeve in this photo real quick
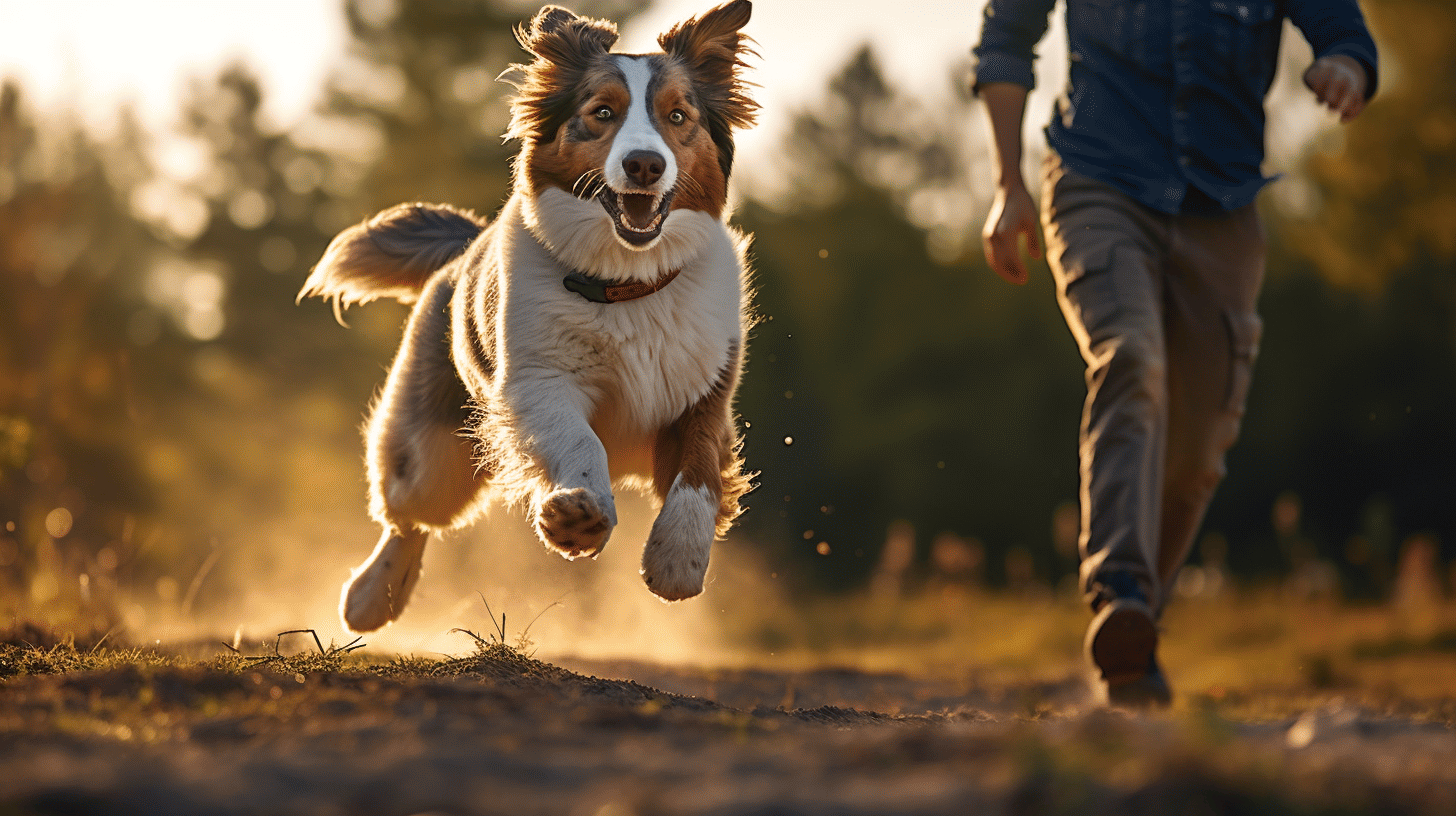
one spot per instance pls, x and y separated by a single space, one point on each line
1010 30
1337 27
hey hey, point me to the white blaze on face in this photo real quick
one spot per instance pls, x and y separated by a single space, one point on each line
638 132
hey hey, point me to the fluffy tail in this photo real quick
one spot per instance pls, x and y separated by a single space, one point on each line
392 254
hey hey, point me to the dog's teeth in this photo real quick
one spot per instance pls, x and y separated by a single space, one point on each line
626 225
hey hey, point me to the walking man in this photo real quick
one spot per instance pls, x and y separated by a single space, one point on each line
1158 254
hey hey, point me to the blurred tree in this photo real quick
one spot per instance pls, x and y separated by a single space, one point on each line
415 113
263 407
923 154
912 383
70 466
1351 412
1387 193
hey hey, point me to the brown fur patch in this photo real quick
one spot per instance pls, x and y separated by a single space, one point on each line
712 48
565 48
573 163
701 183
703 445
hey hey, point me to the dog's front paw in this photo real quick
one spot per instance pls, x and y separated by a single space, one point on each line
675 560
574 522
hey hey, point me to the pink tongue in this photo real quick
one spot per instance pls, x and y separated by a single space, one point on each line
638 209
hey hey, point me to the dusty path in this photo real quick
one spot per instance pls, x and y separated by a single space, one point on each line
497 733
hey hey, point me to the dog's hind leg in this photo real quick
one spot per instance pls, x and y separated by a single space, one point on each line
376 592
422 469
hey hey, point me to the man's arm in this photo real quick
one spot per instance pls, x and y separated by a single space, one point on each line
1010 30
1013 213
1346 68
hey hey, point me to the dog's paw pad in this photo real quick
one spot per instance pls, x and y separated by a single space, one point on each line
574 522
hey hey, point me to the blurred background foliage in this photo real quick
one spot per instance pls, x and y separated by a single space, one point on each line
164 406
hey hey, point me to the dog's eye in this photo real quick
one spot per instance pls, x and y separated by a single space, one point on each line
603 114
677 117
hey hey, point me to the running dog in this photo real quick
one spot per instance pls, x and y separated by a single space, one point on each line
590 336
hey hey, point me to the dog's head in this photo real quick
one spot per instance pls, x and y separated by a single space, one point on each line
640 135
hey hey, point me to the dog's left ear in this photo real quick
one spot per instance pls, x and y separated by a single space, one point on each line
715 35
713 47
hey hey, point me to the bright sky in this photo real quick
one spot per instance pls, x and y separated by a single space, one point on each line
92 55
89 56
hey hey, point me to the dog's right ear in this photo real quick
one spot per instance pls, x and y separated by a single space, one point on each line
563 38
564 46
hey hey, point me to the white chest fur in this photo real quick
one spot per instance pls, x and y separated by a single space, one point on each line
629 367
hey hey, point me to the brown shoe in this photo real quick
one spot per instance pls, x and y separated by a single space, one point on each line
1122 643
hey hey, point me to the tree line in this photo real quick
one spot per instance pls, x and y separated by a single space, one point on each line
163 400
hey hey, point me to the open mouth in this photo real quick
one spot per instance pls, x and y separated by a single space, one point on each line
637 217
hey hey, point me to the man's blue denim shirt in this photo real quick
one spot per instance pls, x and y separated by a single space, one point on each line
1167 94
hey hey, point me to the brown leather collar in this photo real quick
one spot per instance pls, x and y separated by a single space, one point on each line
600 290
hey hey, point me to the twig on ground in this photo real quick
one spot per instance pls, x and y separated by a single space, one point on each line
498 637
502 626
102 640
332 652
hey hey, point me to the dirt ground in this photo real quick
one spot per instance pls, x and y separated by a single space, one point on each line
501 733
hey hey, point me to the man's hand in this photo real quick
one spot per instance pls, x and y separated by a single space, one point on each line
1339 82
1013 214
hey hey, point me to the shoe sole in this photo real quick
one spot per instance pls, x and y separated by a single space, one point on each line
1121 642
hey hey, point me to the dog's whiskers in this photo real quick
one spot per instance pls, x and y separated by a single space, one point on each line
689 185
588 184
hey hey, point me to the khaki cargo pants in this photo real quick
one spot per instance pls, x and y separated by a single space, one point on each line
1163 311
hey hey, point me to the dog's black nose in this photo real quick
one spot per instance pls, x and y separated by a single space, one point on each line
644 167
